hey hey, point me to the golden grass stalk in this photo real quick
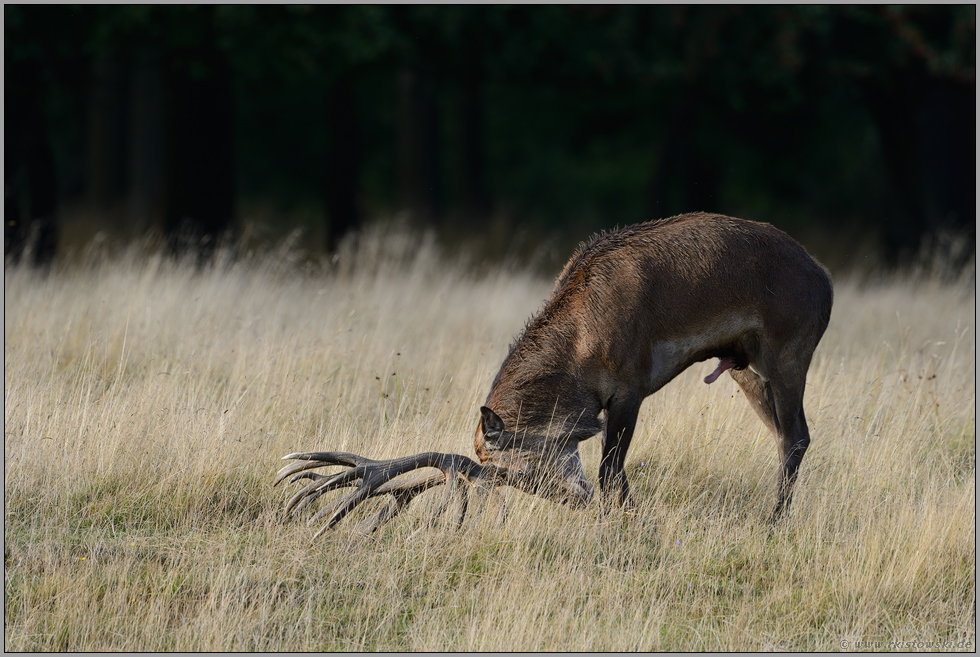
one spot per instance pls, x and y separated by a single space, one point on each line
147 403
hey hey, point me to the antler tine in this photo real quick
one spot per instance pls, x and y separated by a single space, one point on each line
389 511
456 493
312 460
401 494
461 496
303 497
374 475
377 483
321 485
374 478
339 508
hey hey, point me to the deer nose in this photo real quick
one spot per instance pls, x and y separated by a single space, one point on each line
480 446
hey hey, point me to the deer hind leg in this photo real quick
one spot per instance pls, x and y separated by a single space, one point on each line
759 394
616 436
792 439
779 403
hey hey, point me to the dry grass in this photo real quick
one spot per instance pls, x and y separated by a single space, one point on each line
146 406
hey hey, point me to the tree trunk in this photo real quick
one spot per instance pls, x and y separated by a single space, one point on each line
200 132
30 182
686 178
343 162
146 144
474 198
105 180
418 162
927 131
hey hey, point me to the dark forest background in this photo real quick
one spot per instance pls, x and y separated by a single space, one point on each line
845 125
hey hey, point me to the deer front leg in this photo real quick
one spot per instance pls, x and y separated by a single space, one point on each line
621 417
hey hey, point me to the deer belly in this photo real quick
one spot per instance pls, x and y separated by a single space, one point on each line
670 358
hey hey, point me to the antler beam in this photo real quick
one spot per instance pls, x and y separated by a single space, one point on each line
371 478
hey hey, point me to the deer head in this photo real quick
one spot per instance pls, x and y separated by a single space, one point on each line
544 463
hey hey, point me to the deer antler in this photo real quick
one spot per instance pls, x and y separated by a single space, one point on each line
371 478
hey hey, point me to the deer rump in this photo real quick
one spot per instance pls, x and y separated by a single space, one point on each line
631 310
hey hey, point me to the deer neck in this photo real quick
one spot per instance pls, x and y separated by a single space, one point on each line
537 391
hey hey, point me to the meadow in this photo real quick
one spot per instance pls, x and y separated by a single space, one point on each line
147 404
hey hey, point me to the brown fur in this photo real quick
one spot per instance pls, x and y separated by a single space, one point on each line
631 310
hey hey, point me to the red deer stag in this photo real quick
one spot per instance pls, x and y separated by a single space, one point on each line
632 309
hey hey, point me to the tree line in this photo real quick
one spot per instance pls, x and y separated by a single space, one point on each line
176 117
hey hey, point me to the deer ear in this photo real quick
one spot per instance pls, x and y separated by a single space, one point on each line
493 426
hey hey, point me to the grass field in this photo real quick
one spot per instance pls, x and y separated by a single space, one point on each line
147 405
